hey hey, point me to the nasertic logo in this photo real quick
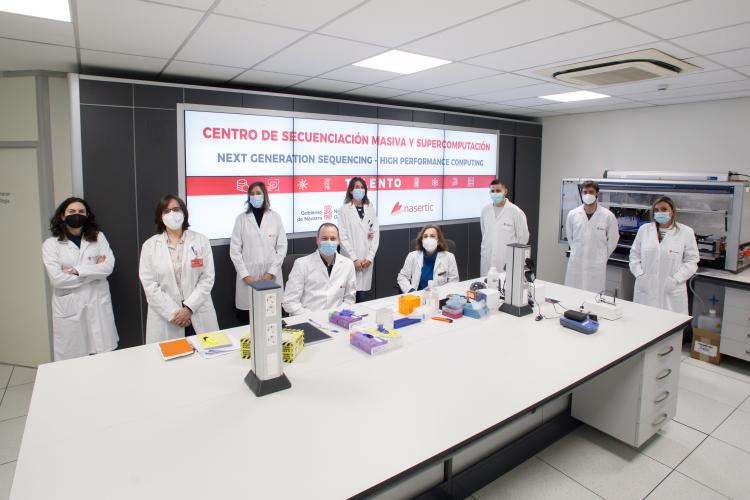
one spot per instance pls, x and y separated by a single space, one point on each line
398 208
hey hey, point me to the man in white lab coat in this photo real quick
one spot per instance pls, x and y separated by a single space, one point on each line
325 279
592 234
502 223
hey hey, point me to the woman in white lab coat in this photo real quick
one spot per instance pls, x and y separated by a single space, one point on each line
360 233
430 261
177 274
663 257
501 223
258 245
78 260
323 280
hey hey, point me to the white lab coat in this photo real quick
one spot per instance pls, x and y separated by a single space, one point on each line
662 268
165 298
445 270
591 242
256 250
309 288
82 318
354 242
499 231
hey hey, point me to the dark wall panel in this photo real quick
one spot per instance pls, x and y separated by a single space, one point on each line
130 161
394 246
528 176
109 187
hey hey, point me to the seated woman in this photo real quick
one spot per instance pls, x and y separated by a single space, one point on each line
430 261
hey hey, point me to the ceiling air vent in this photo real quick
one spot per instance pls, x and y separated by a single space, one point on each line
624 68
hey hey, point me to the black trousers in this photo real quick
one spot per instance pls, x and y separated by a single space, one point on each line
189 330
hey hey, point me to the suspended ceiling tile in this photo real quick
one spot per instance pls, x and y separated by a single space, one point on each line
521 23
268 79
485 85
302 15
91 59
235 42
132 27
393 22
16 55
36 29
692 17
613 36
442 75
360 75
207 72
325 85
375 92
733 58
318 54
620 8
524 92
721 40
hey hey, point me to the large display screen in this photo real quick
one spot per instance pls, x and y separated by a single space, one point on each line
413 174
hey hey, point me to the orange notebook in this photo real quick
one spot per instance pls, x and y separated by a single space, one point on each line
175 348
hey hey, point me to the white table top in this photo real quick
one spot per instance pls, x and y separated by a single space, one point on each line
128 425
741 277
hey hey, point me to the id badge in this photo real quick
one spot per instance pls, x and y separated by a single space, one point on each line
197 262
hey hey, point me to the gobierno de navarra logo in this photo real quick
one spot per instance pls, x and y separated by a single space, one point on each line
398 208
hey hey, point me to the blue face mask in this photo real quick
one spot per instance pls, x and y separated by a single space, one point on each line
497 197
358 194
328 247
256 200
662 217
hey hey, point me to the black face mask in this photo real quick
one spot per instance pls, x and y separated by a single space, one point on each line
76 220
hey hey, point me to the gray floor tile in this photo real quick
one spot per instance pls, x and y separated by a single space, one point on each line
5 371
16 401
700 412
672 443
604 465
720 466
6 479
679 487
713 385
735 430
11 432
531 480
22 375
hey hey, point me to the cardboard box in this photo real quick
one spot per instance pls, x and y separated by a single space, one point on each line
706 346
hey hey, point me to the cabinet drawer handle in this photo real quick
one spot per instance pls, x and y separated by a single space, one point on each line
661 419
666 374
668 351
664 396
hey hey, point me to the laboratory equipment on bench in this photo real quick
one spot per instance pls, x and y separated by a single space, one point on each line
604 305
518 275
718 211
344 318
580 321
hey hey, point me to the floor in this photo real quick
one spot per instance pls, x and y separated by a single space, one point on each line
704 453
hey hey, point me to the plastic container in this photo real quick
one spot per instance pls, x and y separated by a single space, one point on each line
431 297
710 321
493 279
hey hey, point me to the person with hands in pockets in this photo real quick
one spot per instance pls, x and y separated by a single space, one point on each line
177 274
360 233
663 257
78 261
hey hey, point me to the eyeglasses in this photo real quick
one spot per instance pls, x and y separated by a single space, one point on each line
174 209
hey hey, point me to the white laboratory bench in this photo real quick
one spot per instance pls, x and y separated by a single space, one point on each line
125 424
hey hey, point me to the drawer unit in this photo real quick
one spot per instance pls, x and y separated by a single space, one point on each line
737 315
740 299
635 399
731 330
731 347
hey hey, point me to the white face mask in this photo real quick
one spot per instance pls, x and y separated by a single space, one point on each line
429 244
173 220
588 199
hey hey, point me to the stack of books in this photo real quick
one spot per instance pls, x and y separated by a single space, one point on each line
210 345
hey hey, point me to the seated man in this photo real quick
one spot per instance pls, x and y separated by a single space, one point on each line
322 280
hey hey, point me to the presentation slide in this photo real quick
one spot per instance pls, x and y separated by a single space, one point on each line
413 174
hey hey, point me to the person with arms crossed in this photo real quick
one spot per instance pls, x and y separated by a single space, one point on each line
592 234
78 261
502 223
663 257
360 233
325 279
430 261
177 274
257 247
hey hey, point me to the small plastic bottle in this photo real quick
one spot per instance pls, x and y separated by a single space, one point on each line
493 279
710 321
431 296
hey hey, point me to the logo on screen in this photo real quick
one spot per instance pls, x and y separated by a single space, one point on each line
301 184
242 185
396 209
273 185
435 182
327 212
